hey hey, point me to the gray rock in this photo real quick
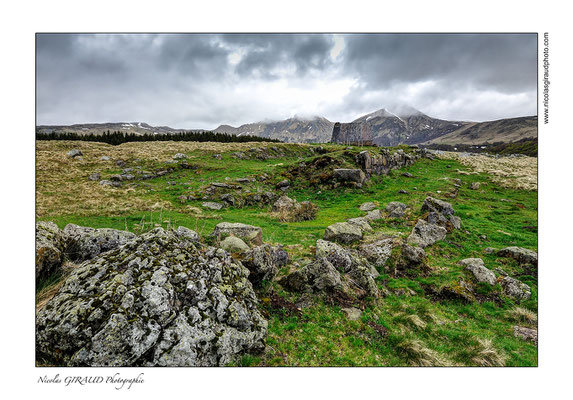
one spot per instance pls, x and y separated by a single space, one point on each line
521 255
515 289
158 301
352 313
212 205
368 206
318 276
475 185
263 262
233 244
456 222
349 175
109 183
218 156
187 233
373 215
343 232
337 255
104 158
362 223
402 191
284 203
524 333
50 249
489 250
85 243
95 176
284 184
249 233
179 156
74 153
413 255
395 209
361 275
377 252
407 175
479 271
425 234
442 207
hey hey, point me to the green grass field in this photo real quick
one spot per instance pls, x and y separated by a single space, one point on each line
419 329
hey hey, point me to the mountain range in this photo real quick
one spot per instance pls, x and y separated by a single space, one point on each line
383 127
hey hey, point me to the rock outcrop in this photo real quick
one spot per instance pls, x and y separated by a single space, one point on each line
159 300
50 248
521 255
85 243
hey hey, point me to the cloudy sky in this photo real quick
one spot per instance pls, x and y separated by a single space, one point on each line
202 81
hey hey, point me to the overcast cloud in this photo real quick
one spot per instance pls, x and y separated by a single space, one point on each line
202 81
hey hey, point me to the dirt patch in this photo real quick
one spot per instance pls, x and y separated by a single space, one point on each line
379 329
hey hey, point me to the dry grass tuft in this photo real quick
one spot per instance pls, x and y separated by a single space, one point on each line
419 355
485 355
522 315
511 172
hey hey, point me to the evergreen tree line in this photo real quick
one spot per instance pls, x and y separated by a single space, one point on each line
118 137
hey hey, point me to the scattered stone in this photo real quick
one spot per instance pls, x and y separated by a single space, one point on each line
187 233
489 250
362 223
244 180
50 249
349 175
249 233
212 205
179 156
218 156
135 307
395 209
283 185
479 271
368 206
475 185
284 203
413 255
458 291
425 234
402 191
120 163
74 153
521 255
85 243
407 175
116 178
515 289
228 198
373 215
525 333
352 313
96 176
343 232
377 252
182 199
109 183
104 158
233 244
337 255
442 207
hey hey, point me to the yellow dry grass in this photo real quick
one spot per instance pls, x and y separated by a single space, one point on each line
63 188
511 172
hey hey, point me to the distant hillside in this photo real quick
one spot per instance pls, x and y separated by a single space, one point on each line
504 130
293 130
139 128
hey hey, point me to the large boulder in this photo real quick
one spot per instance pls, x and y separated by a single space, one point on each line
521 255
263 262
50 248
425 234
362 223
441 213
373 215
369 206
85 243
515 289
377 252
159 300
284 203
349 175
412 255
337 255
431 204
479 270
343 232
249 233
233 244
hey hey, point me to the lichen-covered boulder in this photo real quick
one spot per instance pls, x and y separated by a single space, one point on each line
443 207
318 276
479 270
373 215
521 255
249 233
396 209
343 232
159 300
85 243
337 255
412 255
50 248
233 244
515 289
284 203
349 175
188 233
369 206
377 252
263 262
425 234
362 223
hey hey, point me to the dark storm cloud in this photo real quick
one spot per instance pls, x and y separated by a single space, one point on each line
203 80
